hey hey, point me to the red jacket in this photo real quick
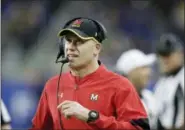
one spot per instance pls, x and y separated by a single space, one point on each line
113 96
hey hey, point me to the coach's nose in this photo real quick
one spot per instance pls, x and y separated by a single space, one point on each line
70 47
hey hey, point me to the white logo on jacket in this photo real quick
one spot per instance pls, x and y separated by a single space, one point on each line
60 95
94 97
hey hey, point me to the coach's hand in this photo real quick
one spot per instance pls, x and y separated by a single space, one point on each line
72 108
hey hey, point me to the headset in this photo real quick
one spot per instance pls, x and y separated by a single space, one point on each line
101 36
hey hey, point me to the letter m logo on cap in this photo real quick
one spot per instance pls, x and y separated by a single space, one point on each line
77 23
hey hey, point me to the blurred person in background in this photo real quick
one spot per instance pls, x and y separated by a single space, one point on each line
5 117
81 101
169 89
136 66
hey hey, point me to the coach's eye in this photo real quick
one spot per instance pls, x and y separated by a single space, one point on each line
68 39
78 42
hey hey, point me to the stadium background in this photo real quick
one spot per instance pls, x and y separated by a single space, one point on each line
29 41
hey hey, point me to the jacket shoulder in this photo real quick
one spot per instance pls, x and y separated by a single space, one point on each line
54 80
120 82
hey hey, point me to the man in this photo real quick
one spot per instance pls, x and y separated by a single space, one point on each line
169 90
91 96
136 66
5 117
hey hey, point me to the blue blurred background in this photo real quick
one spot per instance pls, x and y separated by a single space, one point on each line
29 41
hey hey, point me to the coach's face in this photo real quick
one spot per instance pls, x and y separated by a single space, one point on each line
80 52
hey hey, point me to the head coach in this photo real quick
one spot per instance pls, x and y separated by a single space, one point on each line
89 96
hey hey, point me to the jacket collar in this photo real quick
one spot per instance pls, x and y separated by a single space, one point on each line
174 72
97 74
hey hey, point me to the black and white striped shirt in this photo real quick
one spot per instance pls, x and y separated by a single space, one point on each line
169 95
5 116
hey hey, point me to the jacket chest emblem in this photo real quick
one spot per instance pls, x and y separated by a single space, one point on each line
94 97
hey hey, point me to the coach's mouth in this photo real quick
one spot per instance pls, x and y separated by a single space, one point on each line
72 56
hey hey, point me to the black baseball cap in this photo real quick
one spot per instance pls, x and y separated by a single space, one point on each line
85 29
168 44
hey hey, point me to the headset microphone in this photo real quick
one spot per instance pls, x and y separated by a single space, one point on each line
61 53
63 60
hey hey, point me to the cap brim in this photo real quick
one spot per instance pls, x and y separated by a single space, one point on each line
151 58
77 32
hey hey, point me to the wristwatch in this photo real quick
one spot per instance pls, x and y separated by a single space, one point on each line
93 116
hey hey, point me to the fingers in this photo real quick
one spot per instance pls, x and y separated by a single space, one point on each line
64 107
64 103
67 113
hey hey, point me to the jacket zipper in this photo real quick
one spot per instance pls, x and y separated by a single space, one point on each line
76 87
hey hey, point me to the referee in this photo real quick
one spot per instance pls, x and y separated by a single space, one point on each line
5 117
169 90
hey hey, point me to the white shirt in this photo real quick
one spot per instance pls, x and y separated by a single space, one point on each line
170 114
149 103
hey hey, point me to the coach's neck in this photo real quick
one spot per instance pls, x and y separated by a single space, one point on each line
86 69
